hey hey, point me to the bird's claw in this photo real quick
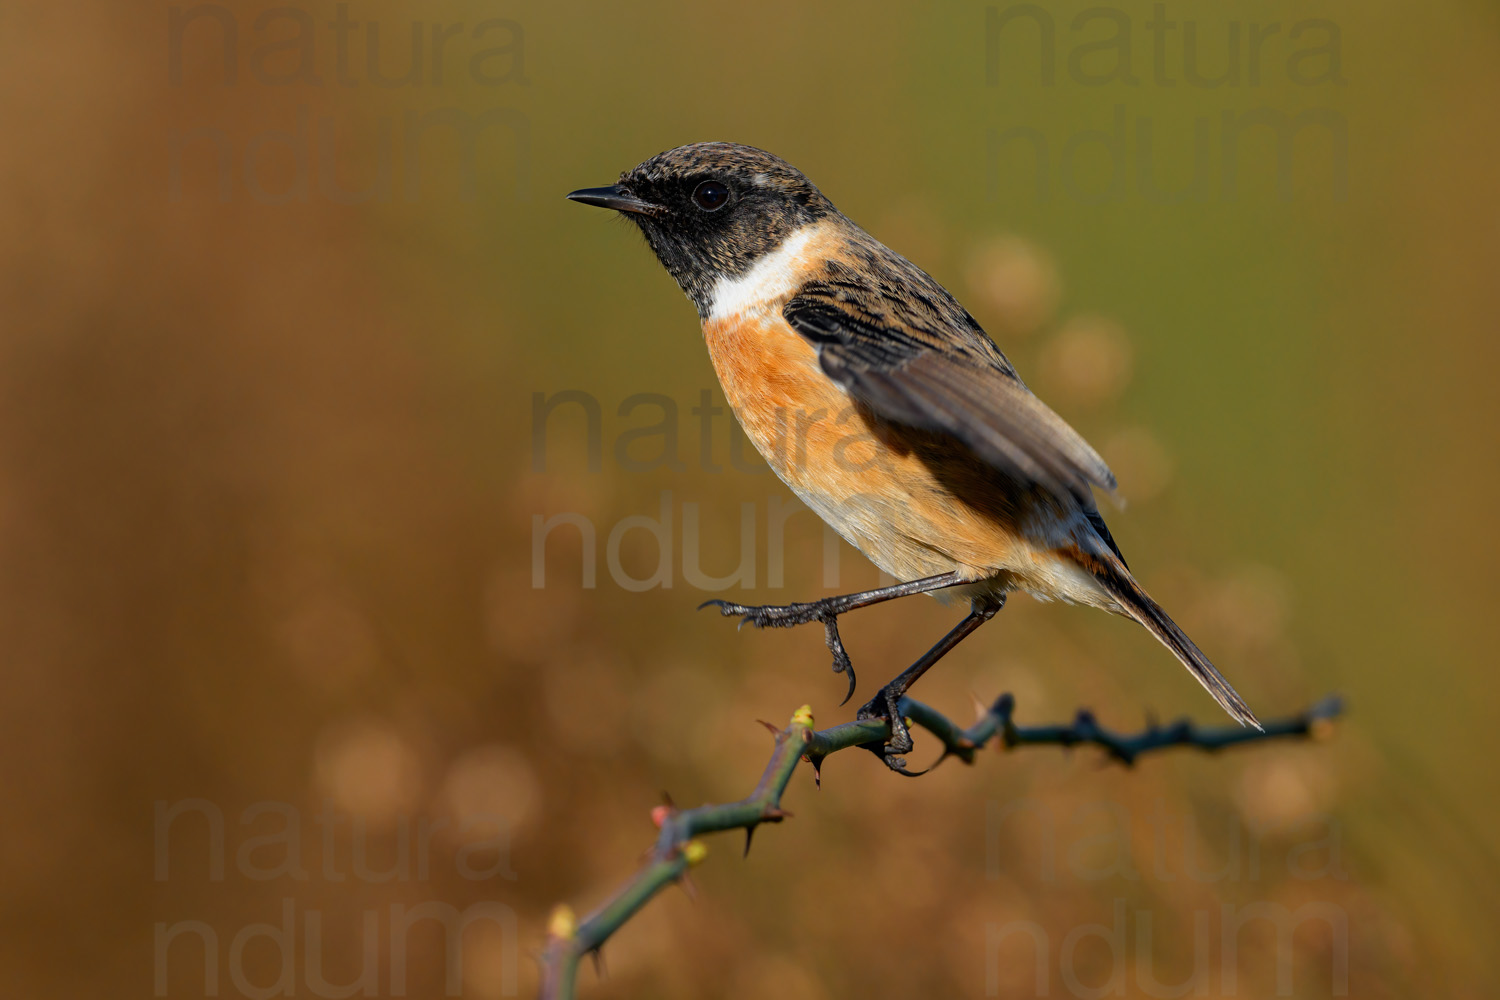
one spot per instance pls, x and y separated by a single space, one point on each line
765 615
841 662
898 764
787 616
886 705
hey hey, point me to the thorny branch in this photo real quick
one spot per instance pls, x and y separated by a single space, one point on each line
679 849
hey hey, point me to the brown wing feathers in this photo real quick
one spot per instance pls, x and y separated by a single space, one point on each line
943 375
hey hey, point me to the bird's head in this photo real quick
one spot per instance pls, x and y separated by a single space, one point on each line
710 210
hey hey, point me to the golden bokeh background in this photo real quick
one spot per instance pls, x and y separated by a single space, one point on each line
269 481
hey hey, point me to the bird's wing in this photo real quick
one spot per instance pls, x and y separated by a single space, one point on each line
916 357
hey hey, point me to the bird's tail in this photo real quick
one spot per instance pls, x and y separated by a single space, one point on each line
1110 571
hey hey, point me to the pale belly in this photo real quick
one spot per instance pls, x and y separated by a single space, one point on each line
891 492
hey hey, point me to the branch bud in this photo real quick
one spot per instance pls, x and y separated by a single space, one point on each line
562 925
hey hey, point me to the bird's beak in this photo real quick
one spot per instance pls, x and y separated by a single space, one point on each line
613 197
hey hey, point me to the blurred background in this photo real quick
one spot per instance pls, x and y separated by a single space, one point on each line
356 492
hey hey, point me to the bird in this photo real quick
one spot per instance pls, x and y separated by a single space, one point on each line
884 406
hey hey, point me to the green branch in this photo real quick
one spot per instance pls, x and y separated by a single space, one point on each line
678 848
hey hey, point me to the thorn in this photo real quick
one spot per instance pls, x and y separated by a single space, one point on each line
817 766
689 889
597 954
666 799
774 731
775 814
749 833
980 710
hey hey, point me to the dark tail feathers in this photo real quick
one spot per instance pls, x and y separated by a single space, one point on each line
1139 605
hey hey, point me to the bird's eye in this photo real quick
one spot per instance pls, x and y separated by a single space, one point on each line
710 196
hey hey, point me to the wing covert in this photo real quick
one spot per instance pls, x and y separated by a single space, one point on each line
918 364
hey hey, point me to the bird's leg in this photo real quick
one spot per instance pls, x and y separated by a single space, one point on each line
827 611
886 703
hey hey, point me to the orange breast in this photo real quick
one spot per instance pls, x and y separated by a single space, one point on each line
916 504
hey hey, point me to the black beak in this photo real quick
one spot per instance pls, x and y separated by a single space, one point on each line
613 197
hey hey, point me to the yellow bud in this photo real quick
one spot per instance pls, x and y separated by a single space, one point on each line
562 924
695 851
803 716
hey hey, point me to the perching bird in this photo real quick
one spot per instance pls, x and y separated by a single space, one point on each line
885 407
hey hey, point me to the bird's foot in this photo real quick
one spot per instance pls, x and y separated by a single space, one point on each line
770 615
887 705
790 615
